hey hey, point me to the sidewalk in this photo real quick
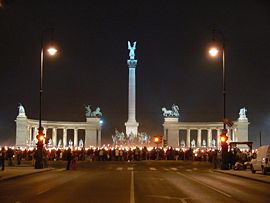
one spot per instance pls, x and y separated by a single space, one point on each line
18 171
247 174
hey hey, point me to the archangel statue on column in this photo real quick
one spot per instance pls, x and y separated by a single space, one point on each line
131 50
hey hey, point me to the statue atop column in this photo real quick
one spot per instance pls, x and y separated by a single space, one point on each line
89 113
21 111
174 112
242 114
132 50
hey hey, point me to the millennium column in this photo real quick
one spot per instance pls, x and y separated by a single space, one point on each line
131 124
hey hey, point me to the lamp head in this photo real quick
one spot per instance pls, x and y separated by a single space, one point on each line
52 50
213 51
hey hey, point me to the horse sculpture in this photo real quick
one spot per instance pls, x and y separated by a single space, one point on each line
96 113
171 113
88 111
167 112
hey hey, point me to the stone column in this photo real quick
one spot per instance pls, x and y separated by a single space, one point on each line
30 135
199 138
233 135
54 137
35 133
45 131
64 137
229 135
209 138
99 137
22 133
131 124
218 138
188 138
75 137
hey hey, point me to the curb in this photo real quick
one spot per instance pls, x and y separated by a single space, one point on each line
246 177
27 174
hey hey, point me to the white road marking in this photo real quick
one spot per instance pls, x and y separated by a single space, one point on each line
152 169
183 200
188 170
195 169
197 181
165 169
119 168
132 198
43 191
174 169
130 168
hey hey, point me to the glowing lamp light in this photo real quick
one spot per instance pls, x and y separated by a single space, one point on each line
156 139
223 138
52 51
213 51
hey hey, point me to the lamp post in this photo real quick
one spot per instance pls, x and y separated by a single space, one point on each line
219 51
51 50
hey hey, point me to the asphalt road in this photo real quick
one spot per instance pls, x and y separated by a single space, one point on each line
140 182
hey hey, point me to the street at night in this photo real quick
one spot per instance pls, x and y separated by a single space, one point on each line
130 182
134 101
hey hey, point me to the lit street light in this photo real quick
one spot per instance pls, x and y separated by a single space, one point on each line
51 49
214 51
157 140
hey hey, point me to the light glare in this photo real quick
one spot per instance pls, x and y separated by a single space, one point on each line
52 51
213 51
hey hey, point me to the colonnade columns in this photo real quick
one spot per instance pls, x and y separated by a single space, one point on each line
75 137
99 137
209 138
35 134
64 137
199 138
188 137
54 136
30 135
218 137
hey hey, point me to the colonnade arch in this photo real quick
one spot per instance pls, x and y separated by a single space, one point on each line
60 133
202 134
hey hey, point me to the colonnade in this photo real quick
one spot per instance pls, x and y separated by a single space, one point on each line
33 131
27 130
172 127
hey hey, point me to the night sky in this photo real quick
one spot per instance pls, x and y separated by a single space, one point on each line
173 66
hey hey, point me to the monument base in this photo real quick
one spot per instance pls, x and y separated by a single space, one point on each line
131 127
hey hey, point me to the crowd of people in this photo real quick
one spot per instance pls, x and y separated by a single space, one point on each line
15 155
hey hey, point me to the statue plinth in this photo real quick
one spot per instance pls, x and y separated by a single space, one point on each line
93 119
171 119
132 63
242 119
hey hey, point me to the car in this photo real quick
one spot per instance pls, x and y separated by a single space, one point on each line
262 160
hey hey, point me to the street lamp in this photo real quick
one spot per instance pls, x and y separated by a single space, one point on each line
217 50
157 140
51 50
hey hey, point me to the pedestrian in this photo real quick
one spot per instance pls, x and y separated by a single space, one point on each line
19 156
74 160
68 157
9 155
3 157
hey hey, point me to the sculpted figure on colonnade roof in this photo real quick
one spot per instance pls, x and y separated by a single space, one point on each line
242 113
174 112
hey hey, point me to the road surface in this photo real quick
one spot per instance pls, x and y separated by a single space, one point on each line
134 182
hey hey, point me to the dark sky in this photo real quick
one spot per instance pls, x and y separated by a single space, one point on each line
173 67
